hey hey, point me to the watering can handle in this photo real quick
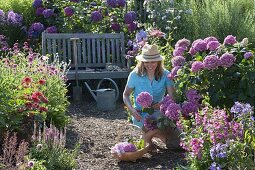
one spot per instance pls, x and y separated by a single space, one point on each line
113 82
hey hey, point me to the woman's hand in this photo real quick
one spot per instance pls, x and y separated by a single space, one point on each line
136 115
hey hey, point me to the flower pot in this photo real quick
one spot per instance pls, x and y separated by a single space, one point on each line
131 156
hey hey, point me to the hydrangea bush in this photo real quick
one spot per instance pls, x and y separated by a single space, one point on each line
222 72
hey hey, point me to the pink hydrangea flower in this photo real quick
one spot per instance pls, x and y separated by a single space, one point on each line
123 147
230 39
211 62
213 45
173 111
144 99
227 60
184 43
173 72
197 66
178 61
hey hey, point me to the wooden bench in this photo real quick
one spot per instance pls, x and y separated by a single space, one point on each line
91 56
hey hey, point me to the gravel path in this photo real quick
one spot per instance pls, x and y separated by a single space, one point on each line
98 131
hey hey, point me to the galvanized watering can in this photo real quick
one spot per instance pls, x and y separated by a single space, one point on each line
105 98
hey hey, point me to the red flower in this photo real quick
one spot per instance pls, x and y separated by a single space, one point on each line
42 82
43 109
26 81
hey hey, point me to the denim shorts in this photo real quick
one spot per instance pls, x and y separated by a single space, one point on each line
140 123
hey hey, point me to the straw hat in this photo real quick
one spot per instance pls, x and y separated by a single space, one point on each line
150 53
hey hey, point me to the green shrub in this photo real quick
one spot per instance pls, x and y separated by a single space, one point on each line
31 89
216 18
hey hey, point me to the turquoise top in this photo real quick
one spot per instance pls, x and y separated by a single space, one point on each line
143 84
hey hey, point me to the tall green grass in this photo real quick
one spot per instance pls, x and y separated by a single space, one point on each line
218 18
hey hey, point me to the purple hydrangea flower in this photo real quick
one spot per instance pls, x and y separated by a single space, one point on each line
230 39
115 27
184 43
14 18
197 66
48 13
150 122
200 45
37 3
211 62
248 55
173 111
130 17
112 3
193 96
35 29
123 147
132 27
39 11
144 99
212 45
69 11
52 29
189 107
227 60
192 51
165 102
178 51
209 39
121 3
173 72
178 61
96 16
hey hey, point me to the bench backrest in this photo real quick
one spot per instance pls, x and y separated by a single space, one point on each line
93 50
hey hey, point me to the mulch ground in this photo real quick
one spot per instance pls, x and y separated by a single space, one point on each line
98 131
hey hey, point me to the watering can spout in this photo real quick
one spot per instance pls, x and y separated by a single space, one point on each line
91 91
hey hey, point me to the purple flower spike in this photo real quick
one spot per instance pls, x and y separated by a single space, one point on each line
230 39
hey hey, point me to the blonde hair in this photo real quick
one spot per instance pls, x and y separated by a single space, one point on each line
141 70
